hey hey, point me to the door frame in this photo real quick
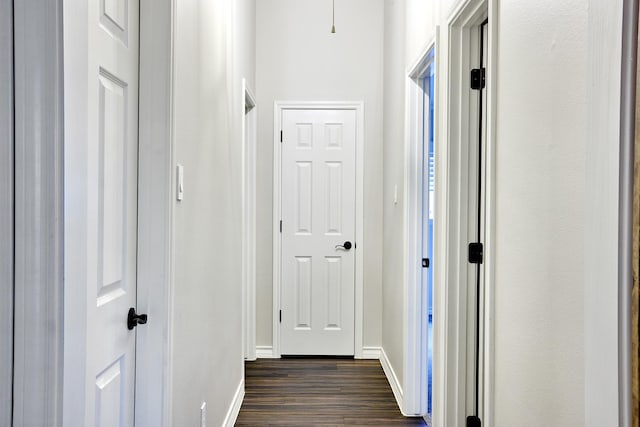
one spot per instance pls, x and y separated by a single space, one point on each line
358 107
6 206
155 203
37 227
416 324
249 148
451 391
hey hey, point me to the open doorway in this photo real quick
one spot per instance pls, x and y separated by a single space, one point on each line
420 232
468 184
428 219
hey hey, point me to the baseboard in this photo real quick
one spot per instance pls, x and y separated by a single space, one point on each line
236 404
371 353
392 378
264 352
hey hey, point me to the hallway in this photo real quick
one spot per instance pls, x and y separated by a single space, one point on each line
164 165
319 391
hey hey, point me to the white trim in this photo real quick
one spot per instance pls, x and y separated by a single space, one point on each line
372 353
234 408
75 116
601 208
415 322
6 207
156 197
249 118
358 107
453 393
393 379
38 263
488 353
264 352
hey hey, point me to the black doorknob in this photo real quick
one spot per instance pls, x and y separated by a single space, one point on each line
346 246
134 319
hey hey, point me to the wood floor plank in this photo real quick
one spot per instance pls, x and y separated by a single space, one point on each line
319 392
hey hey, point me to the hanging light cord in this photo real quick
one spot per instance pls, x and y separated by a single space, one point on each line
333 18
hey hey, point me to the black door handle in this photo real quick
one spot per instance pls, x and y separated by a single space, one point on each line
346 246
134 319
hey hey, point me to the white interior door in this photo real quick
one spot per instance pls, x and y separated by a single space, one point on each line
112 210
318 206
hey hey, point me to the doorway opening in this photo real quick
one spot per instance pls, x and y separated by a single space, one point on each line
420 233
468 208
428 218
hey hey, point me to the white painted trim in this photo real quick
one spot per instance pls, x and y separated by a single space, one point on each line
38 281
416 318
75 117
422 62
488 348
358 107
234 408
249 149
393 379
264 352
277 236
156 195
6 207
372 353
601 208
453 393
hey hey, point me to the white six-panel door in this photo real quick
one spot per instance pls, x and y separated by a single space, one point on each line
318 206
112 210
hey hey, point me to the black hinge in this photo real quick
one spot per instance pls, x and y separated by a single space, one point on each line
478 78
425 262
280 136
281 226
476 253
473 421
280 316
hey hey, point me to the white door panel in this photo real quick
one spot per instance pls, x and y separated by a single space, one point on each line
112 210
318 214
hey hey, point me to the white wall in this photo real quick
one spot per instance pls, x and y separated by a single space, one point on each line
540 218
214 46
298 59
556 212
395 66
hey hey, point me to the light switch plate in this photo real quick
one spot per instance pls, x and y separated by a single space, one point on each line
180 182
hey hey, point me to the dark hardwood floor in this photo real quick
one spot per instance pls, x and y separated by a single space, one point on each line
319 392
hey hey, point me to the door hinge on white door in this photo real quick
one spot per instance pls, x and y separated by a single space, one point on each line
281 226
280 316
473 421
280 136
478 79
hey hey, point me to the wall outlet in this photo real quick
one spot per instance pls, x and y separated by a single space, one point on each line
203 414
